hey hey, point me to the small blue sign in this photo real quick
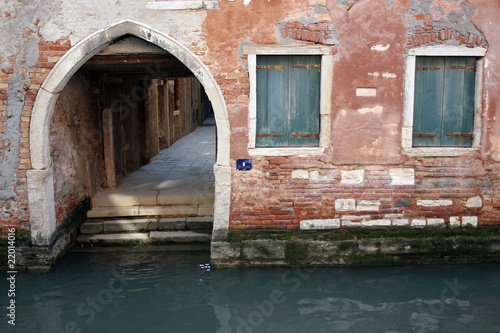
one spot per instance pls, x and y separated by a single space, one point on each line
243 164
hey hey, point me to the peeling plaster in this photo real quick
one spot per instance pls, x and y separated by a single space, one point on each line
376 109
79 19
357 65
389 75
11 138
20 41
308 20
450 14
320 9
380 47
385 74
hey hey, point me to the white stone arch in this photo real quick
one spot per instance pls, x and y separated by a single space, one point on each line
40 177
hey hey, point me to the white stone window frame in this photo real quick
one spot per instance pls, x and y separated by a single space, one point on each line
407 130
252 51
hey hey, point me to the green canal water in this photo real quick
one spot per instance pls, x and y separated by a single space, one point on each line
130 291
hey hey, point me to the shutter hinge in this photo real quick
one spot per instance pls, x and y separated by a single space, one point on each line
460 135
270 134
307 66
425 135
269 67
305 135
463 67
428 68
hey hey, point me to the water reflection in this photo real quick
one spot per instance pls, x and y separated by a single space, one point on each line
169 292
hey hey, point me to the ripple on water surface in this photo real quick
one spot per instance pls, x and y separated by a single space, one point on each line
152 291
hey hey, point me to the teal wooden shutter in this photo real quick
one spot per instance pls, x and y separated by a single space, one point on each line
458 104
272 100
305 79
288 100
444 101
428 101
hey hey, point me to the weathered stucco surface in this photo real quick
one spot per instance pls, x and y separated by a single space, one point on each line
76 20
487 14
370 56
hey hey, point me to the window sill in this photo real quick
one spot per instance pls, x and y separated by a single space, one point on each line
439 152
274 151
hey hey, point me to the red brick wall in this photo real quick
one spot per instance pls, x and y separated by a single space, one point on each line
76 145
268 197
14 212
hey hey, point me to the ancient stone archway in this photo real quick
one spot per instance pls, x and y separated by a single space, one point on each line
40 177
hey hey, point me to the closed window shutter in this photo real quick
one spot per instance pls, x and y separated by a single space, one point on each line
288 97
305 76
444 101
458 105
272 100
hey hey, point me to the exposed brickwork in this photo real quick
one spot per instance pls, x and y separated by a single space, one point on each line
491 195
319 33
15 211
429 33
282 202
235 87
75 141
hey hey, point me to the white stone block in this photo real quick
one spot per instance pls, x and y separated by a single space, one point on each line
418 223
434 203
407 138
436 223
41 205
474 202
345 204
454 222
353 177
366 92
469 221
300 174
314 175
376 223
367 205
400 222
393 216
354 221
356 217
320 224
351 224
222 198
402 176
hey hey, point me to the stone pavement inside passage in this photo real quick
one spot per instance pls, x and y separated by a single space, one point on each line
183 170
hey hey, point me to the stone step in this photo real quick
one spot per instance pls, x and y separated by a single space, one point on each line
144 238
167 237
163 211
149 224
174 247
123 198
